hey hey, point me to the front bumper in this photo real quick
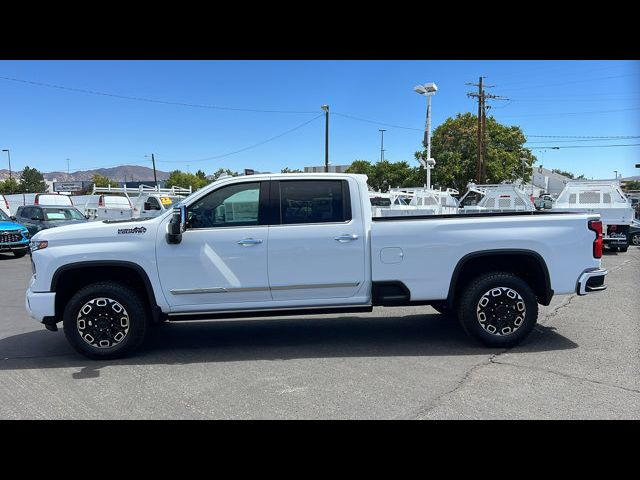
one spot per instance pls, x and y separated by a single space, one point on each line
591 281
14 247
40 304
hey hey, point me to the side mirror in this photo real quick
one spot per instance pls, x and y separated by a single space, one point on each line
176 226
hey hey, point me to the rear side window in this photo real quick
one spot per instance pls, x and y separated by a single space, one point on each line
314 201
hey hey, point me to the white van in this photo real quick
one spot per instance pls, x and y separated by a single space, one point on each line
52 199
108 207
148 205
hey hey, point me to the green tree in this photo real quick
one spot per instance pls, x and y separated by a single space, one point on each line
454 146
102 181
10 186
567 174
178 178
223 171
290 170
32 181
384 174
632 185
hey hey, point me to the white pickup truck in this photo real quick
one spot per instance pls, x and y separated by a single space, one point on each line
286 244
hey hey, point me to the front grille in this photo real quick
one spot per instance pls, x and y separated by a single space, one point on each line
10 237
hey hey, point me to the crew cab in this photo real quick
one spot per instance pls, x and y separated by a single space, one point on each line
295 244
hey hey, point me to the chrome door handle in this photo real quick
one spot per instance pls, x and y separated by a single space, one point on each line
346 237
249 241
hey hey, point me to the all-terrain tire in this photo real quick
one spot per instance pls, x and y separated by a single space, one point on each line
499 309
105 320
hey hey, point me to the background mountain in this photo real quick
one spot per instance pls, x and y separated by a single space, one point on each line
129 173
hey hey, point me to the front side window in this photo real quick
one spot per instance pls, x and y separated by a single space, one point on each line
231 206
313 201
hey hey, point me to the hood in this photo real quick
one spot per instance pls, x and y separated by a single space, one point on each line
98 231
11 226
60 223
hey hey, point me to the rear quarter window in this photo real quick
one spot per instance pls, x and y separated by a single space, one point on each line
314 201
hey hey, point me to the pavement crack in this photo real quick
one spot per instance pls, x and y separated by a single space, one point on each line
422 411
566 375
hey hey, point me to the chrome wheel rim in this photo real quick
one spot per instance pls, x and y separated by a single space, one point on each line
635 239
501 311
103 322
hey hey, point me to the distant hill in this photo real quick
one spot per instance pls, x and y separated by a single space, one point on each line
130 173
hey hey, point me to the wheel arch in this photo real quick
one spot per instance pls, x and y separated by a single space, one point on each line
69 278
527 264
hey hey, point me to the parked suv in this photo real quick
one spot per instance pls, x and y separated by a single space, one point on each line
13 236
37 218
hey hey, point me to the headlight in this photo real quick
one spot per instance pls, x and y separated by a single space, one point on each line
39 245
26 234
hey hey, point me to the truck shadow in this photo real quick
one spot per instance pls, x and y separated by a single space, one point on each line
275 340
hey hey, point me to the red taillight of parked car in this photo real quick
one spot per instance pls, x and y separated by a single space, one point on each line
596 226
101 201
6 204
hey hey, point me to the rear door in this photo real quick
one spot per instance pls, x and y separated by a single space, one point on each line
316 247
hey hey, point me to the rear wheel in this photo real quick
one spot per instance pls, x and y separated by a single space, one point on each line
105 320
498 309
635 239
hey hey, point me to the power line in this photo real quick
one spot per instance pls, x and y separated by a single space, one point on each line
588 146
582 140
375 122
148 100
568 113
582 136
250 146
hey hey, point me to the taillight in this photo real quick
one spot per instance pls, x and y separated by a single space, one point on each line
596 226
37 202
101 202
6 203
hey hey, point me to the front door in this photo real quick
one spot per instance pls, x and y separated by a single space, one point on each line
221 262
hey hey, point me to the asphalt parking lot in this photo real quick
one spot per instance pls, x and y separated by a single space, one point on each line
582 361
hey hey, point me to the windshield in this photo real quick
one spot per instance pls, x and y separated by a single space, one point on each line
4 217
57 214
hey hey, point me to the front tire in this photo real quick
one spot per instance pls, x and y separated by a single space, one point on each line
635 239
105 320
498 309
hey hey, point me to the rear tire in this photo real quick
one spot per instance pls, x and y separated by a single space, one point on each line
498 309
635 239
105 320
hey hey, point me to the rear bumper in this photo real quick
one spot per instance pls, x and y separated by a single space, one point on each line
40 305
591 281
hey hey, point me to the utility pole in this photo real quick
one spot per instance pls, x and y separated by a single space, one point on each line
153 161
382 144
67 166
326 137
482 96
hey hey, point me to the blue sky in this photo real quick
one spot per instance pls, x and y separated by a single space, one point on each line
43 126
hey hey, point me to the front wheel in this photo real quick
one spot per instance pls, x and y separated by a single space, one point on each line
635 239
105 320
498 309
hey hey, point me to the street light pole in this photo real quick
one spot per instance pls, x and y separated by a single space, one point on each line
326 137
615 172
382 144
10 174
428 89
